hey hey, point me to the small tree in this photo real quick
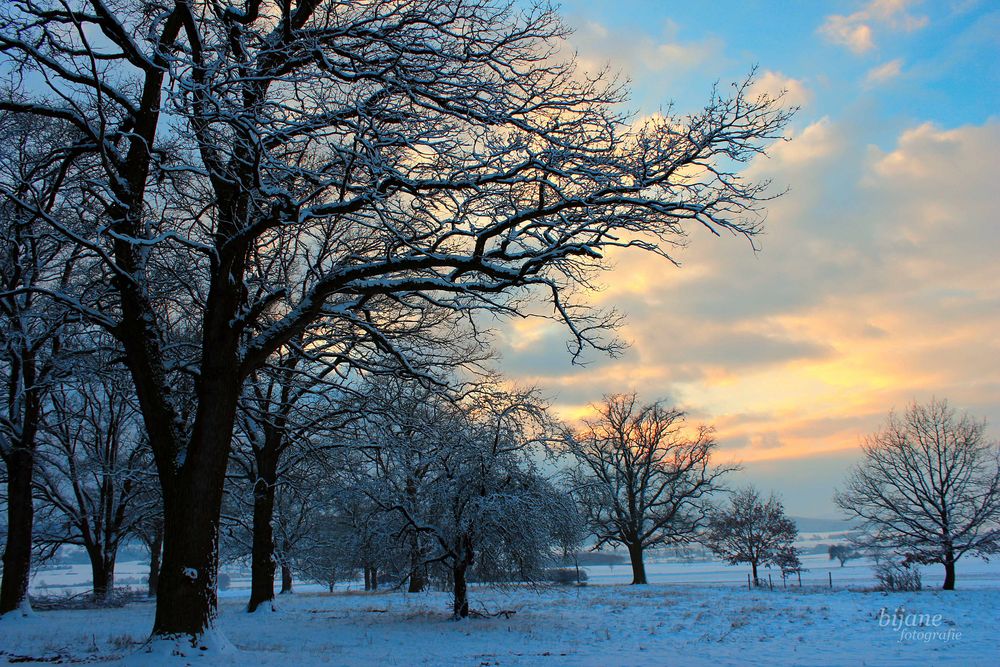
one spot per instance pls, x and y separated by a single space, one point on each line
641 480
789 562
928 488
752 530
842 552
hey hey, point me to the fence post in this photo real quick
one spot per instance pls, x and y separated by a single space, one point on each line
770 584
749 587
800 578
831 579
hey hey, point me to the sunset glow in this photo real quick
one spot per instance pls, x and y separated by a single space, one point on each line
876 280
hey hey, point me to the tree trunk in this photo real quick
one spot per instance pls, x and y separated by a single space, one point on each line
186 603
459 570
460 608
638 566
949 572
103 573
374 577
286 578
192 491
756 581
20 517
155 550
368 578
262 558
418 575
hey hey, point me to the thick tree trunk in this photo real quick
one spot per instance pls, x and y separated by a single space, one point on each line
103 572
638 566
286 578
192 493
374 577
20 517
756 581
262 559
460 607
186 602
949 573
155 550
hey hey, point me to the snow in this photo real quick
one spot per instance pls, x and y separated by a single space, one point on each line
717 623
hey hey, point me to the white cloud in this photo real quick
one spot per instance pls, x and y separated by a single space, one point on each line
855 31
815 142
843 31
774 83
884 72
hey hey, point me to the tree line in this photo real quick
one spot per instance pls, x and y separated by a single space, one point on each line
232 195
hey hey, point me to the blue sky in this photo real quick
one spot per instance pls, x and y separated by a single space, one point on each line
878 279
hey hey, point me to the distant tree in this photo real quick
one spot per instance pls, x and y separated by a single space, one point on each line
641 479
843 553
93 463
928 488
752 530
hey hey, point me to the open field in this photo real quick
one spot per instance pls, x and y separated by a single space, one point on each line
692 614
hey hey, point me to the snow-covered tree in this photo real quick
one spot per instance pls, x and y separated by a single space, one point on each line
752 529
459 477
928 488
291 408
405 155
640 478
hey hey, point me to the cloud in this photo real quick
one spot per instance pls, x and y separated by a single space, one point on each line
884 73
658 58
855 31
841 30
816 141
876 285
775 83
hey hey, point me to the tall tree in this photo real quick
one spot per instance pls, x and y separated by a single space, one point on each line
32 169
404 155
928 487
753 529
641 479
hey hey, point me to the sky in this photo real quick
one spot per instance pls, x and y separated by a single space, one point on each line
877 279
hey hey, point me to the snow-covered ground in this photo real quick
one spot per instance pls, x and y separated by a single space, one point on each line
693 614
592 625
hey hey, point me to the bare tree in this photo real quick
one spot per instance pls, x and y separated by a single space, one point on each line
33 167
641 479
405 155
843 553
93 464
928 487
752 530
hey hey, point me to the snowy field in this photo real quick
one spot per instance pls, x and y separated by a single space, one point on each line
692 614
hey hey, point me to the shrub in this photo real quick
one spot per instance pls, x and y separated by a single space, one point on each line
564 576
892 576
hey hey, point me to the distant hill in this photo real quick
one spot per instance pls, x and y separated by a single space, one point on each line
808 525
